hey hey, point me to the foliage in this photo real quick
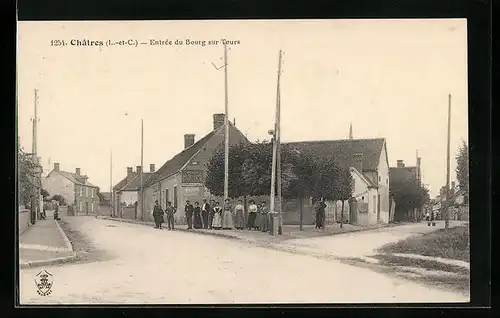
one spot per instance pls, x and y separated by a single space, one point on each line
60 199
29 180
408 194
301 175
44 193
462 169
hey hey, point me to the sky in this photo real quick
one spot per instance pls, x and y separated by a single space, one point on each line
389 78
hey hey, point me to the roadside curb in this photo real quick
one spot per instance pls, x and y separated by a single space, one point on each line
277 239
223 235
69 247
54 261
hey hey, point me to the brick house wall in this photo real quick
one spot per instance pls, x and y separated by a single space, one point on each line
86 199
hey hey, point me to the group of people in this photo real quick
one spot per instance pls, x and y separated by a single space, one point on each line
214 216
159 215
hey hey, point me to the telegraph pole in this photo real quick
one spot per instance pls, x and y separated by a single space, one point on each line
278 147
142 168
447 215
36 193
111 203
226 128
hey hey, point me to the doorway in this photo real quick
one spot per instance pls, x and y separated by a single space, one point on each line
86 208
378 207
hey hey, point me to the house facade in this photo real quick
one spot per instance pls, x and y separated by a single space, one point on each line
367 161
183 177
126 193
399 176
74 188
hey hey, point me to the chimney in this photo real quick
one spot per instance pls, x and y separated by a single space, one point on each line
56 166
401 164
129 172
358 161
77 171
218 120
138 169
152 167
188 140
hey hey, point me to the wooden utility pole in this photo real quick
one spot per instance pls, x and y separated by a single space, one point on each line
278 147
35 202
226 130
111 202
447 214
142 168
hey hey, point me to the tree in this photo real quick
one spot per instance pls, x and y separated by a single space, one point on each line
344 189
408 195
462 169
28 178
44 193
60 199
301 183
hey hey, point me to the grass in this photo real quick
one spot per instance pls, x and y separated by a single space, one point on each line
447 243
391 260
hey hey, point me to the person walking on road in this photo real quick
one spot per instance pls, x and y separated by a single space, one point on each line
252 215
239 216
197 223
205 213
217 217
158 215
169 213
189 210
227 216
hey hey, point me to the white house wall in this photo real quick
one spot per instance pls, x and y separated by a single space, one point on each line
55 183
129 197
383 186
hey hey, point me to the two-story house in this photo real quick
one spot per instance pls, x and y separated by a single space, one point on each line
74 188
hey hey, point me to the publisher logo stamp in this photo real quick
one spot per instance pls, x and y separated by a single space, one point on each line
43 282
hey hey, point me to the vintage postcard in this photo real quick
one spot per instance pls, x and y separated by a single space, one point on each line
243 162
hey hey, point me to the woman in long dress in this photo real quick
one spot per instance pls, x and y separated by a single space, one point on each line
239 216
256 223
227 216
252 214
264 217
197 224
217 217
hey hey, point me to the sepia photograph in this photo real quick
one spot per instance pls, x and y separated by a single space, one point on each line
243 162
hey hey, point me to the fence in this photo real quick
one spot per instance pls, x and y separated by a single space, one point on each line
24 220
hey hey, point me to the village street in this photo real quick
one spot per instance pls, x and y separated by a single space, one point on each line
136 264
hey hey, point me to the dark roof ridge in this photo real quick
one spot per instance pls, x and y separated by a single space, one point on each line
330 140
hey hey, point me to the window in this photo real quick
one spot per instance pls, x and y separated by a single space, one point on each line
81 206
92 191
379 179
92 207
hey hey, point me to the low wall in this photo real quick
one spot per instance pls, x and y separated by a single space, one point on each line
24 220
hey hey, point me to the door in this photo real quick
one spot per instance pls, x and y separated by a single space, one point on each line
86 208
166 196
378 207
175 197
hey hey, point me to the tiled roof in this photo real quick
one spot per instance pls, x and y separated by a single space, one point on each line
120 184
73 177
135 183
343 150
402 174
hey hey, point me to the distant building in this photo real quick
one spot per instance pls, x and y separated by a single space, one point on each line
368 163
127 192
400 176
74 188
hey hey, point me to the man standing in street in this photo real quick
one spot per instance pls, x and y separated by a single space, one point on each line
158 215
169 212
205 211
189 209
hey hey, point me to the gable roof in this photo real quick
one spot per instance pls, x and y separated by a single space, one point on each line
135 183
177 162
343 150
402 174
368 181
73 177
173 165
120 184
